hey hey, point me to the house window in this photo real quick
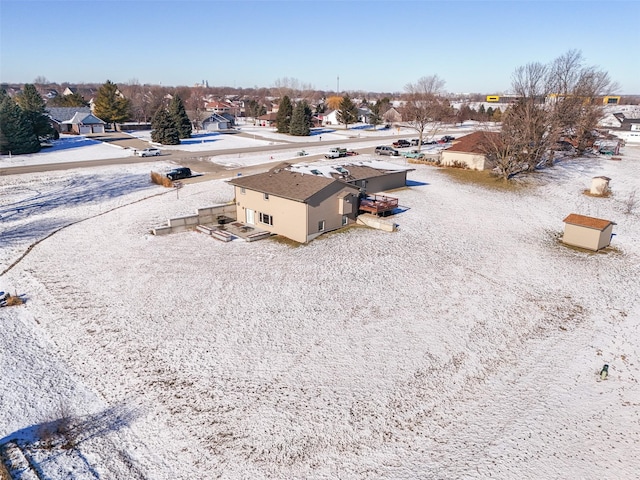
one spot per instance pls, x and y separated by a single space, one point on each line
321 226
345 220
243 191
266 219
265 196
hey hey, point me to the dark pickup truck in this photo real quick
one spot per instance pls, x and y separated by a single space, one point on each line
401 143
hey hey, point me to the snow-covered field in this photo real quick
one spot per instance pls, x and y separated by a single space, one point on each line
465 345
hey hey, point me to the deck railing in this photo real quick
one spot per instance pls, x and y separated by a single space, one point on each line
378 204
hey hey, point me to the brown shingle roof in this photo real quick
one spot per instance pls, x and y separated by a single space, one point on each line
589 222
271 116
286 184
360 172
472 143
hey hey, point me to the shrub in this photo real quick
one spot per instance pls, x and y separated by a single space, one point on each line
630 203
458 164
160 179
12 301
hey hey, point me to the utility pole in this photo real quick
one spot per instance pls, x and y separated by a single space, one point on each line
338 87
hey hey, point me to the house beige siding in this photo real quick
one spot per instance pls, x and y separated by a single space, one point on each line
327 207
382 183
474 161
585 237
286 214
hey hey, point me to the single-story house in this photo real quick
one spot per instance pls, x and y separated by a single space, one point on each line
330 118
268 119
215 122
587 232
468 150
364 114
392 116
628 129
293 204
78 120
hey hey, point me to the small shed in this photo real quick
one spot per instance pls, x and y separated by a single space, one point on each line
600 186
587 232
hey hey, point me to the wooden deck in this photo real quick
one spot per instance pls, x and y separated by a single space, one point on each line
378 204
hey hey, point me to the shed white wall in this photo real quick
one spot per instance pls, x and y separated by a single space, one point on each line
584 237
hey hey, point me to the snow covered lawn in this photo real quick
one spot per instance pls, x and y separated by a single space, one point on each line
465 345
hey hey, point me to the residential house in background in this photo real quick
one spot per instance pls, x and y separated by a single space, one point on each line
217 106
392 116
268 119
469 150
364 114
216 123
75 120
627 129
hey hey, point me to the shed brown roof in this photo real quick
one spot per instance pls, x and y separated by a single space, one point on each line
589 222
286 184
472 143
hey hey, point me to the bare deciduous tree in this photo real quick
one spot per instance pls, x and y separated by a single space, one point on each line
195 106
575 93
425 109
286 86
502 154
557 100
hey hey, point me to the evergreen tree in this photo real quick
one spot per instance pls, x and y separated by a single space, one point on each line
300 120
71 100
164 130
110 105
254 109
179 117
348 112
33 107
283 118
375 118
16 133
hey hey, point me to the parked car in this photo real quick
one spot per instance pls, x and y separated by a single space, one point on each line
387 150
178 173
448 138
149 152
414 154
415 142
402 143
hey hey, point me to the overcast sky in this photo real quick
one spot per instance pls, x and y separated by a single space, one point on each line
370 45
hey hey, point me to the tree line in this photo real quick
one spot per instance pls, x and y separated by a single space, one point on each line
556 100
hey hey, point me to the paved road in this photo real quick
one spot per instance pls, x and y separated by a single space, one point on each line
193 160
